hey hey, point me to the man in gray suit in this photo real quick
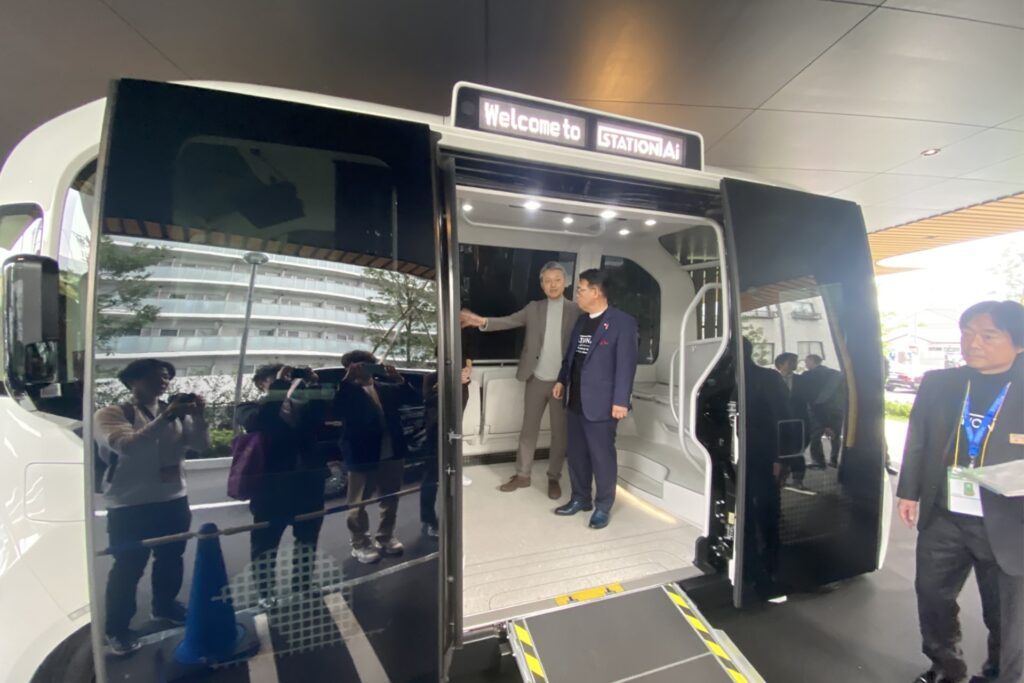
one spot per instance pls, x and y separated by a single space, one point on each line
548 325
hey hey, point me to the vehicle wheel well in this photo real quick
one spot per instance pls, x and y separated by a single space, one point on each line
69 662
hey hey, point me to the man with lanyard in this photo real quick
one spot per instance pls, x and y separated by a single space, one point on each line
597 376
967 417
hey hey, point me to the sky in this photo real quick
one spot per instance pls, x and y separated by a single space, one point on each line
951 277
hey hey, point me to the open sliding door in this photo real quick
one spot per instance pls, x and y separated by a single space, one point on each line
236 233
810 464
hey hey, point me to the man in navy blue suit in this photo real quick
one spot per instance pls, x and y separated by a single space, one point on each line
596 381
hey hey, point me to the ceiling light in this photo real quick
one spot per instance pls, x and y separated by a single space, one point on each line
467 207
531 205
568 220
650 221
931 152
608 214
624 232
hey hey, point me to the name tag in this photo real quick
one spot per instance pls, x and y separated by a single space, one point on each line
964 496
1017 439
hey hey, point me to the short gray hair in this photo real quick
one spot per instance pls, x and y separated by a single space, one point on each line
554 265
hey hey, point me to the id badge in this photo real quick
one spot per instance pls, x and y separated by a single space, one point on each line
964 494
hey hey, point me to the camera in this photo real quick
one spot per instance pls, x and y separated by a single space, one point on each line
302 373
376 370
182 398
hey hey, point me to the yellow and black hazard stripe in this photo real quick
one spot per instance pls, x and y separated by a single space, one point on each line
704 632
589 594
522 643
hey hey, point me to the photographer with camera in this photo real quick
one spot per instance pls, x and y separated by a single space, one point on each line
375 448
143 443
287 416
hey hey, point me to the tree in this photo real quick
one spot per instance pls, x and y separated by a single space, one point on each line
1011 271
755 333
402 315
123 286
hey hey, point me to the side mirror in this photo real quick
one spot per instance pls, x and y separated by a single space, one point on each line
31 320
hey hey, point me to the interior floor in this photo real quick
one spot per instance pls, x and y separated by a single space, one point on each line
518 552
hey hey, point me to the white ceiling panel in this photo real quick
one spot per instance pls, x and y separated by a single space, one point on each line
820 182
976 152
731 53
886 188
1009 171
957 193
881 217
1009 12
802 140
916 66
711 122
1014 124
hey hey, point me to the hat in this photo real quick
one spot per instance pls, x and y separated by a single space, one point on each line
138 369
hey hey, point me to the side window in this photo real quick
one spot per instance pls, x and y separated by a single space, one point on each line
21 228
696 249
498 281
636 292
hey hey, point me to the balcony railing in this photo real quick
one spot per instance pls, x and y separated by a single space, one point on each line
262 281
186 307
225 345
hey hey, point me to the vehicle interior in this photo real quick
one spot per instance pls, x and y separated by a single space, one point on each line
518 556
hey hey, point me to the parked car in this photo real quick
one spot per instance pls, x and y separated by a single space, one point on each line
905 378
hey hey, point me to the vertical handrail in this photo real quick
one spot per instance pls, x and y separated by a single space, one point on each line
672 382
697 298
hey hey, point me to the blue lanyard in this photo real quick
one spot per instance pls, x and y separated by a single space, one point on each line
975 437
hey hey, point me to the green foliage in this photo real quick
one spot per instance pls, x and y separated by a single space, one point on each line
755 333
897 409
220 443
402 315
123 285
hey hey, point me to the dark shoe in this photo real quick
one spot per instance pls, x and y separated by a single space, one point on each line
554 489
599 519
816 466
121 644
891 470
572 507
514 483
429 530
173 613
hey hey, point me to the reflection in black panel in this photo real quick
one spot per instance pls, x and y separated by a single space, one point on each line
803 284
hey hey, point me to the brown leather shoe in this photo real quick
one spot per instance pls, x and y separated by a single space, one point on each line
554 489
514 483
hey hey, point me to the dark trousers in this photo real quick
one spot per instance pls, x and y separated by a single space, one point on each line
428 492
278 512
128 526
947 549
593 463
383 480
817 450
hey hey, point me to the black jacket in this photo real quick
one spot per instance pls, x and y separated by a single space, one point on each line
767 403
934 422
364 424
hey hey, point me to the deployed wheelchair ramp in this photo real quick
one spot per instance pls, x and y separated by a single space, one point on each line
651 636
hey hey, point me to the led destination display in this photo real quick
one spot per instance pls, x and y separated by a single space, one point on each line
522 117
